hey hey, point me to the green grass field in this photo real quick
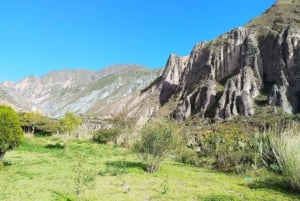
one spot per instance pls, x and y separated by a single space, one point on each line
50 169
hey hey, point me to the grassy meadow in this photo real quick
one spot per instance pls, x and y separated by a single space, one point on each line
53 168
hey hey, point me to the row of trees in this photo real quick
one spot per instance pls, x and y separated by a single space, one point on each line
36 123
13 126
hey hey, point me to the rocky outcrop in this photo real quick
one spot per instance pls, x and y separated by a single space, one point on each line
171 77
233 59
222 78
238 95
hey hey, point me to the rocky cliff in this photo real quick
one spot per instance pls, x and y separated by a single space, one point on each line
223 77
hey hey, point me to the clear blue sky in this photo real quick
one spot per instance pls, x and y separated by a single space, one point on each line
38 36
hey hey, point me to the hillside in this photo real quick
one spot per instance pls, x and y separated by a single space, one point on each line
238 73
80 91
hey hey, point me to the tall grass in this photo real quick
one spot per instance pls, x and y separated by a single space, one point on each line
286 145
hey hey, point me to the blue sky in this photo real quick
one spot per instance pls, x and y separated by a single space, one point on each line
38 36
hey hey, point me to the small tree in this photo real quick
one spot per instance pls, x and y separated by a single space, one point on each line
11 134
70 122
156 140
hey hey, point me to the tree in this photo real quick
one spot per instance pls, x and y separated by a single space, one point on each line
156 140
11 134
36 123
70 122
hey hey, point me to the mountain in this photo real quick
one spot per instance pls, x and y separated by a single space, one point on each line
80 91
238 72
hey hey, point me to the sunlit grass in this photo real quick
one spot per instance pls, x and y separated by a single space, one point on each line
42 172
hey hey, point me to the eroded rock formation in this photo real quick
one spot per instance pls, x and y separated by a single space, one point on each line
223 77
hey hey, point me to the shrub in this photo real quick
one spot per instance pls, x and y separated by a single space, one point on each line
286 145
156 140
189 156
230 150
104 135
11 134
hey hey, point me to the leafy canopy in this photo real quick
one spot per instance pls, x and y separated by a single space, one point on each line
36 123
70 122
11 134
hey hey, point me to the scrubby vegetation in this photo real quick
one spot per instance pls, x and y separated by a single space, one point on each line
190 160
155 142
91 171
106 135
286 146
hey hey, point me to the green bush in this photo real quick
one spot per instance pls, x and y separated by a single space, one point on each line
104 135
286 146
231 150
189 156
11 134
156 140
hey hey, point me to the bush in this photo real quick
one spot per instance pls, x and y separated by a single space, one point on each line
11 134
231 150
189 156
286 145
104 135
156 140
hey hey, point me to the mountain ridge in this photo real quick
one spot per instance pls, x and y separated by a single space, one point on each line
74 90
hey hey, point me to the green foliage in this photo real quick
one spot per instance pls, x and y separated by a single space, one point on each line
38 124
165 186
286 145
104 135
231 149
11 134
156 140
70 122
189 156
54 174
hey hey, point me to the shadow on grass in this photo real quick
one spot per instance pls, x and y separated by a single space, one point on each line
275 184
57 145
114 168
219 197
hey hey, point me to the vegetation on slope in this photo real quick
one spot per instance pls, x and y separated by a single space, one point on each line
279 16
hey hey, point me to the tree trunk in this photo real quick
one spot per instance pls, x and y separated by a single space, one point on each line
2 155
